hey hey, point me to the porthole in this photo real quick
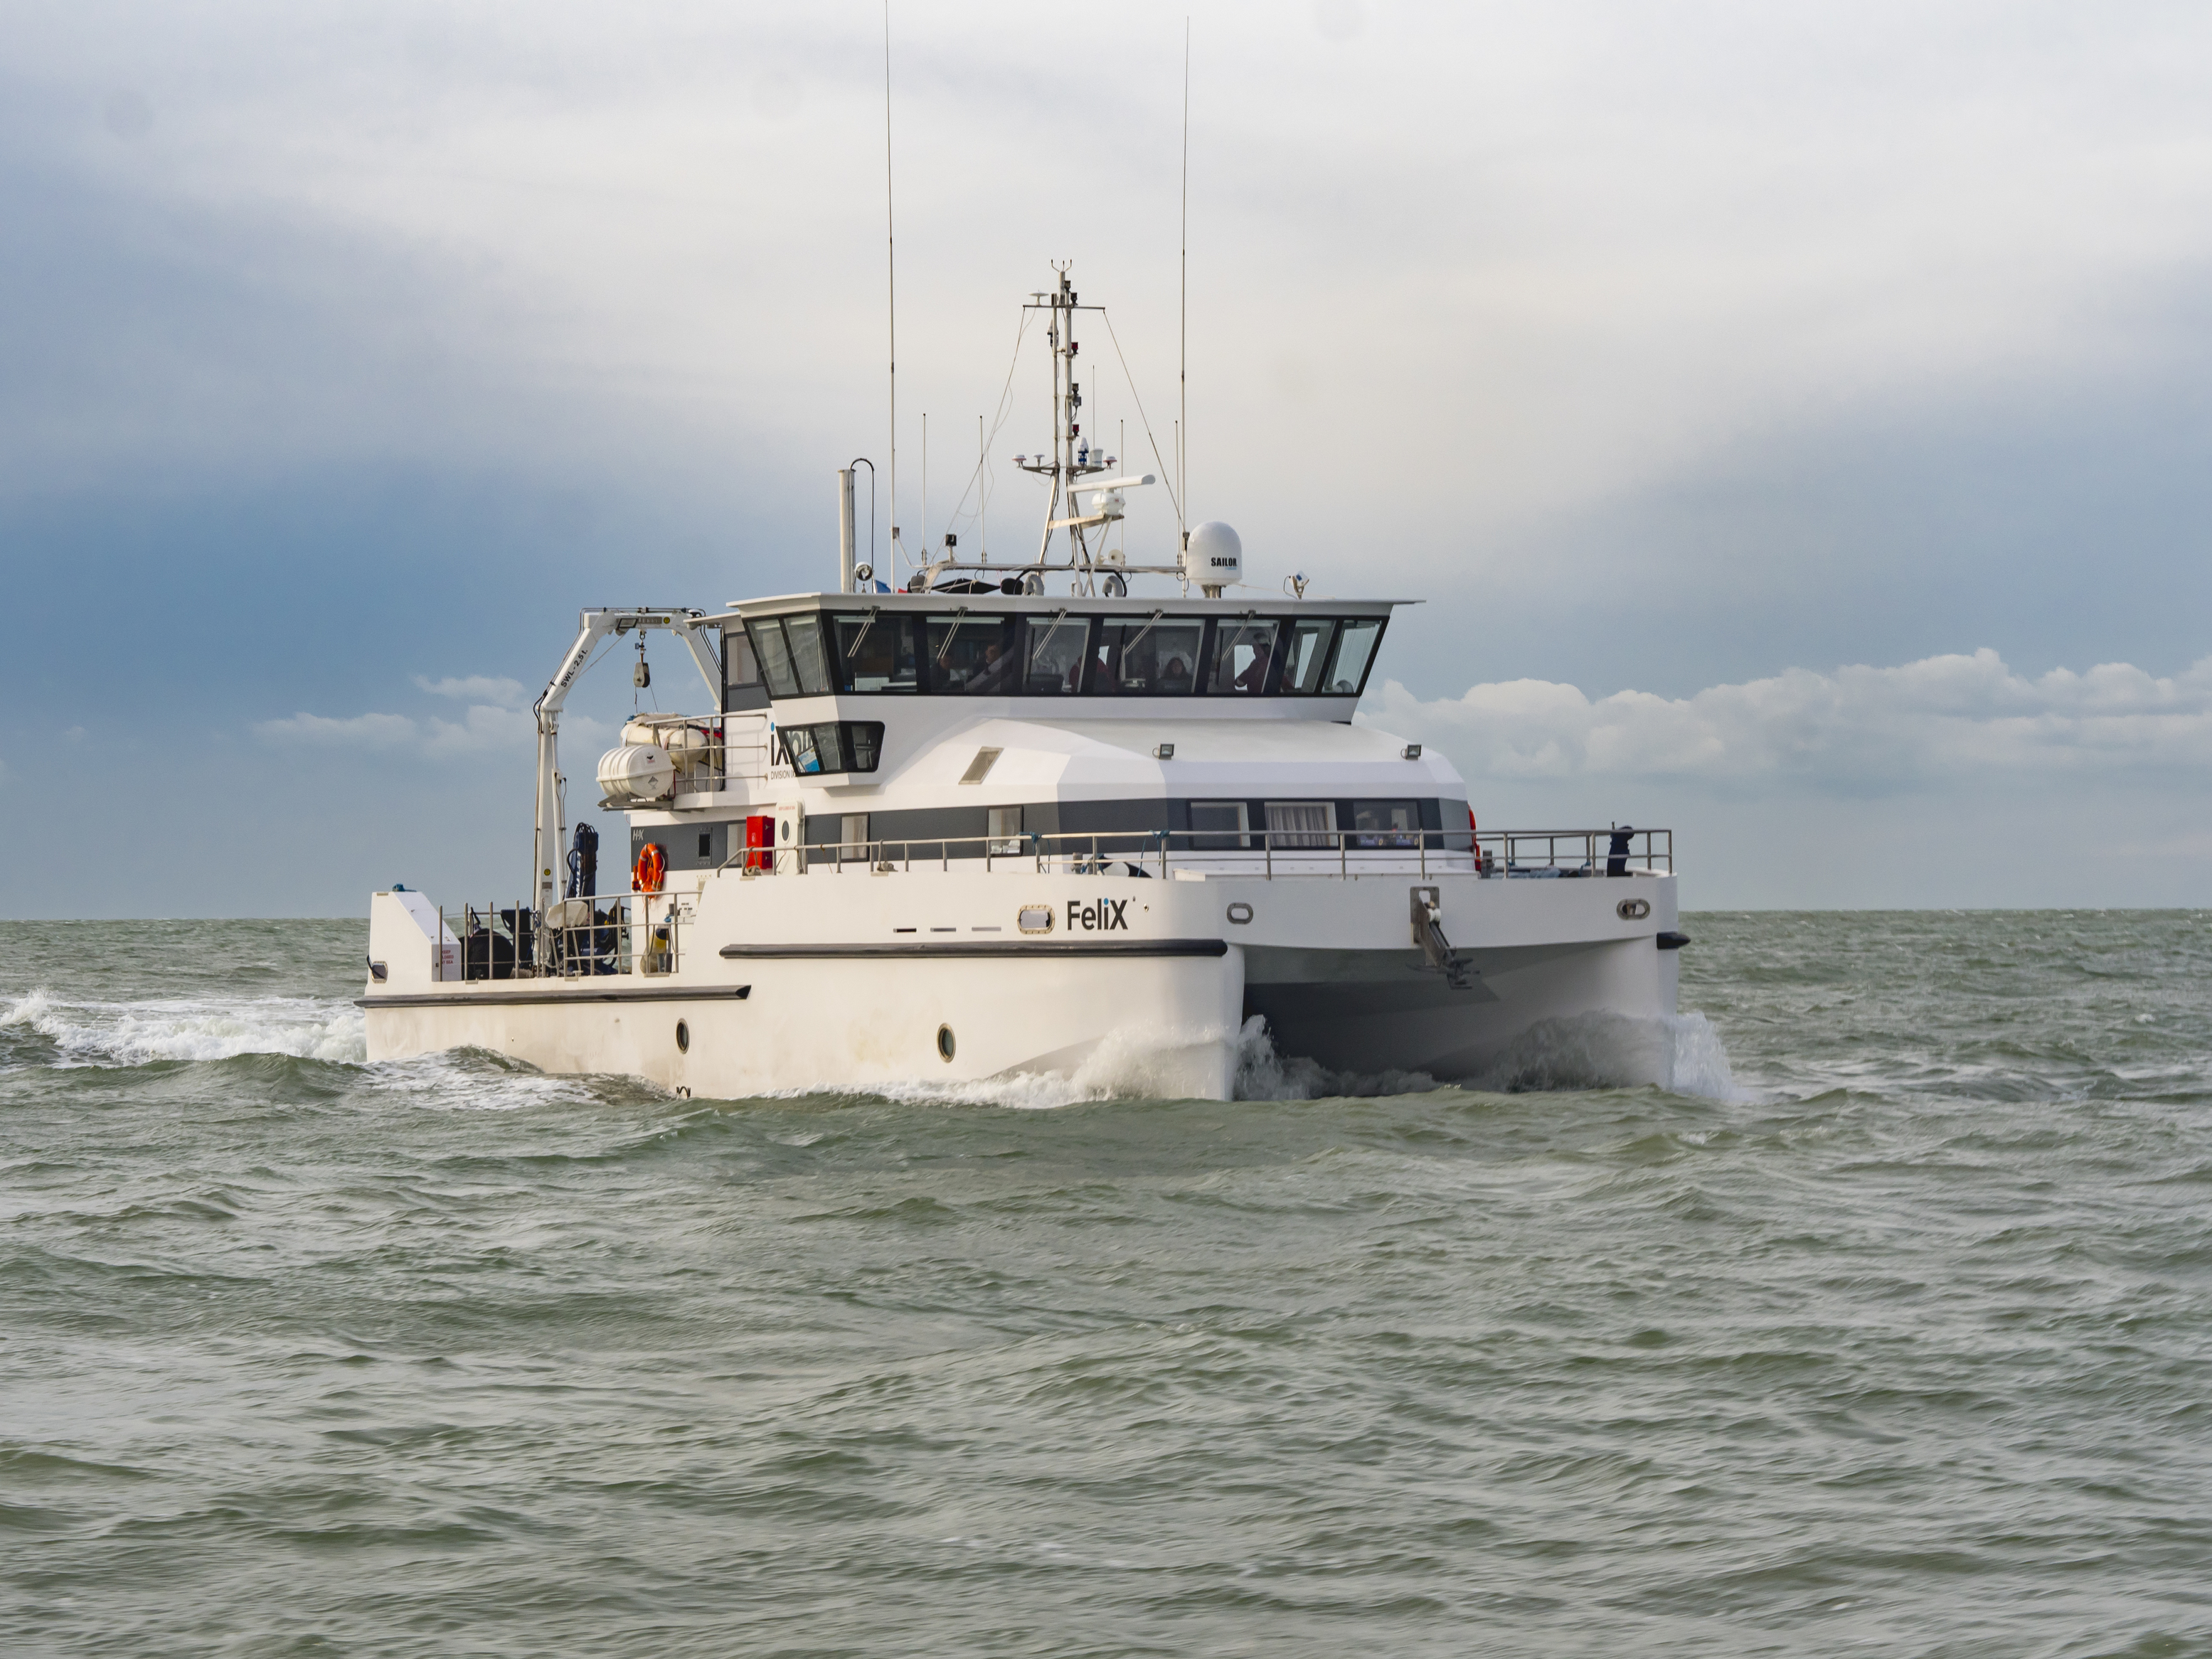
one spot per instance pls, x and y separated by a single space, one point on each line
1035 918
1632 909
945 1044
683 1037
1240 913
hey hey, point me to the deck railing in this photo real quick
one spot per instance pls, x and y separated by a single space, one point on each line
1269 854
613 934
1619 851
731 749
641 934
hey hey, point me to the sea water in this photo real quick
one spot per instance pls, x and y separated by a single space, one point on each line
1866 1308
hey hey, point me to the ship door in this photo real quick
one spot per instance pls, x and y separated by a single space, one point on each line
776 839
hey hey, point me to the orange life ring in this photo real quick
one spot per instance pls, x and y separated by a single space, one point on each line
652 867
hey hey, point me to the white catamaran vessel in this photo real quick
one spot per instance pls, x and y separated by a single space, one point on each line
1014 818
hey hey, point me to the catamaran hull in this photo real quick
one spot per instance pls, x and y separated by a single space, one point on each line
1139 984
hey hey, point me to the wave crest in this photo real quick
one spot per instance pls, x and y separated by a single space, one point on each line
142 1033
1682 1054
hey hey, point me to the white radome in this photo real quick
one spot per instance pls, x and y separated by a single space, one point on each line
1215 557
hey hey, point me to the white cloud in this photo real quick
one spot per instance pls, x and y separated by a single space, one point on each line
1555 252
362 731
500 693
482 729
1941 718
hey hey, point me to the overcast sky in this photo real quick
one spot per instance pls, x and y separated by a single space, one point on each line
1794 420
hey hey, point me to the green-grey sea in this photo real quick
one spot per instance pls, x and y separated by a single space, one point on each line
1884 1329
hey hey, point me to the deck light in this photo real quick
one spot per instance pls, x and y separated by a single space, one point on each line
1164 751
1413 751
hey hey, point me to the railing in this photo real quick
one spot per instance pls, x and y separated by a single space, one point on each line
732 748
614 933
1268 853
642 932
1616 852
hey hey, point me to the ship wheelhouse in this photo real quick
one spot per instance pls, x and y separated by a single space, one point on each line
1005 646
983 724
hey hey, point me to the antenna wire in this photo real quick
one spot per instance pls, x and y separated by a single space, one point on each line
890 251
1183 326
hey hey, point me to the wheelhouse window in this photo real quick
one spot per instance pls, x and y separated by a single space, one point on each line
971 656
1307 654
774 656
807 657
1006 827
791 656
1386 823
1158 656
1058 647
876 653
1354 654
1243 656
742 686
832 746
954 653
1292 823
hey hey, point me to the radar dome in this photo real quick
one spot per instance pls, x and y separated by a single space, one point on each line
1214 557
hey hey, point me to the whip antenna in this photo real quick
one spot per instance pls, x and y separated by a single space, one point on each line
1183 323
890 251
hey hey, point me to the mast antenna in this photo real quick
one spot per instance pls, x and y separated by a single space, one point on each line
890 251
1182 323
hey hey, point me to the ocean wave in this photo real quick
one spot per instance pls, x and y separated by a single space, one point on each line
1682 1054
1264 1074
143 1033
1139 1063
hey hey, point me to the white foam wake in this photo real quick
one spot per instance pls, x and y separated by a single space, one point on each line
1682 1054
1128 1063
1263 1074
1136 1063
137 1033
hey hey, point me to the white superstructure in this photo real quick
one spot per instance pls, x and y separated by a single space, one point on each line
981 828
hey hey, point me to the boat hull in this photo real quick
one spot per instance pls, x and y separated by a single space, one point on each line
1141 985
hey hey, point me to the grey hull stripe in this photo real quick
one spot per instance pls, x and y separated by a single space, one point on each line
504 998
1115 947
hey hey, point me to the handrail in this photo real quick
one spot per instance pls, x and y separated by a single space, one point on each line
518 944
611 943
738 748
1338 852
